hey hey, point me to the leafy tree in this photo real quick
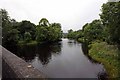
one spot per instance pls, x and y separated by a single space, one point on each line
42 30
9 34
47 32
5 24
27 37
57 32
85 26
26 26
79 34
111 20
41 33
12 37
17 32
74 34
70 31
93 31
70 34
44 22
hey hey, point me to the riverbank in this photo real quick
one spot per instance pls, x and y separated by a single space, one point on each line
107 55
33 42
27 43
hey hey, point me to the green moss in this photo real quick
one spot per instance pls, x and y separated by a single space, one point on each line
108 55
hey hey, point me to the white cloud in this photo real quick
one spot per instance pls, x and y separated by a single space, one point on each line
70 13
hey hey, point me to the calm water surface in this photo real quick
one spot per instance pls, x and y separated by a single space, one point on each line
64 59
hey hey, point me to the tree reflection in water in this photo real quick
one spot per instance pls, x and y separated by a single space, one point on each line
43 52
56 54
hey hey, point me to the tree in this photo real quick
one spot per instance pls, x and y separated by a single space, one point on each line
111 20
79 34
69 31
12 37
70 34
74 34
18 32
26 26
27 37
57 32
93 31
44 22
47 32
42 30
6 26
85 26
41 33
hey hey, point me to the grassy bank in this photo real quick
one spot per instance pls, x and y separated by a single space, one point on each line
33 42
27 43
107 55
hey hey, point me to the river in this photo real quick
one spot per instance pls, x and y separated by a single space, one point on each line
64 59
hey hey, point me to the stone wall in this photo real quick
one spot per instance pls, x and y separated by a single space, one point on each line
15 67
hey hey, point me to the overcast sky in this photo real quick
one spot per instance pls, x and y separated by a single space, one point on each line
72 14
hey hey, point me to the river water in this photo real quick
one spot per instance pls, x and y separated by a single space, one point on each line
64 59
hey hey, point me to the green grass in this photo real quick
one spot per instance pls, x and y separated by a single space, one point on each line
32 43
107 55
27 43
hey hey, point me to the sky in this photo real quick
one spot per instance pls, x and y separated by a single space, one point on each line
71 14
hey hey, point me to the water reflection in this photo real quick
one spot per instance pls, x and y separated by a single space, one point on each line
71 43
27 52
65 59
43 52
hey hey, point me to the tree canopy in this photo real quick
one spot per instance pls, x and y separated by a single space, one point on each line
110 18
48 32
14 32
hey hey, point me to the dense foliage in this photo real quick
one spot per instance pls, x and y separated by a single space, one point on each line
90 32
107 28
23 32
48 32
74 34
110 18
9 32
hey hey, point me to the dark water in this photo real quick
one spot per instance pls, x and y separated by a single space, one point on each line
65 59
